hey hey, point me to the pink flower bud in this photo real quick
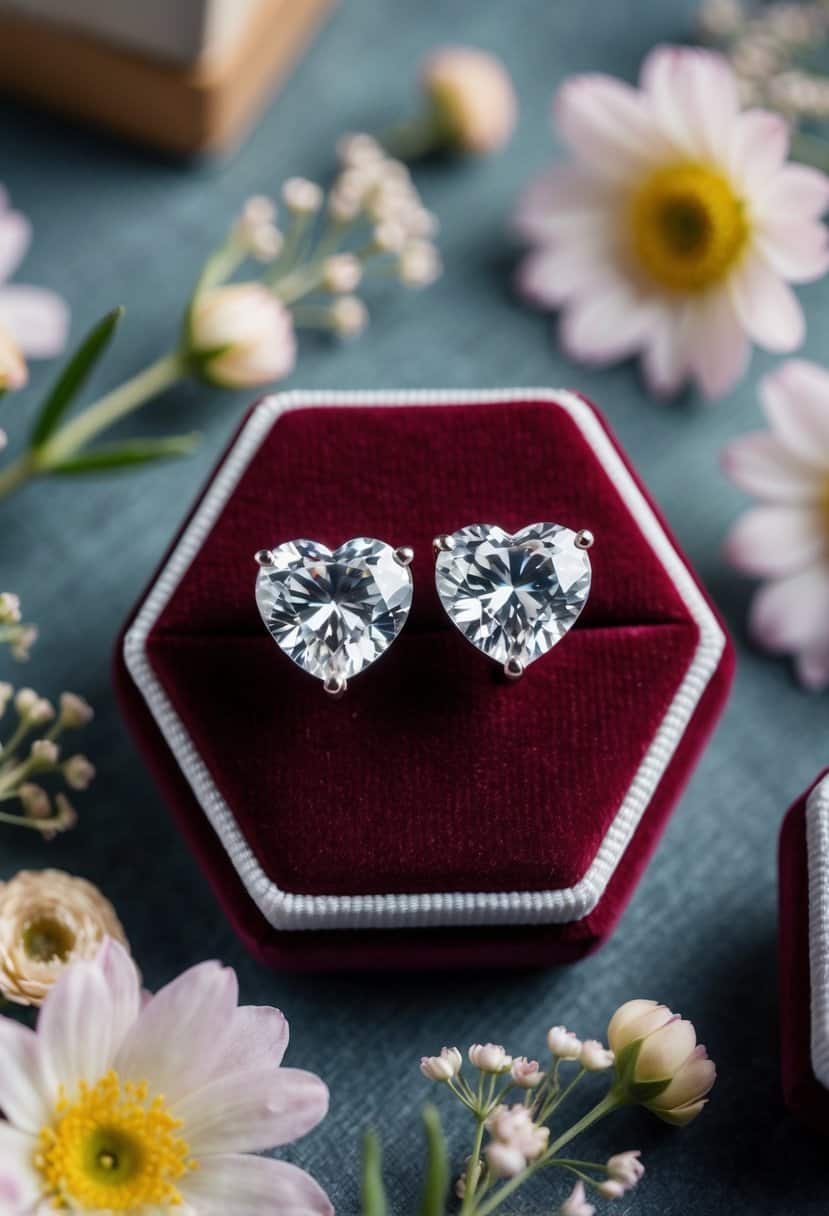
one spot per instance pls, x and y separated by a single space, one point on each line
576 1204
526 1073
241 336
504 1160
610 1189
594 1056
489 1057
563 1043
473 98
626 1168
443 1067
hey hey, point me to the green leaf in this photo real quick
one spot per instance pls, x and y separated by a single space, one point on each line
123 455
73 377
374 1194
436 1185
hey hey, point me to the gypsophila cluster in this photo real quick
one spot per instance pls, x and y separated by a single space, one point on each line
14 631
771 47
31 753
653 1060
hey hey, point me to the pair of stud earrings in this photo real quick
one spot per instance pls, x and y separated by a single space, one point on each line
512 595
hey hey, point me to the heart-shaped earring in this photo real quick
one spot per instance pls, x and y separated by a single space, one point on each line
514 597
334 614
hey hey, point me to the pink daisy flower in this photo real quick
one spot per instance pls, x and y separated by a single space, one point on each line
113 1107
676 229
33 320
785 539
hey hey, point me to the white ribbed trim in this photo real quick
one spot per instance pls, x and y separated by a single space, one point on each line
817 844
296 911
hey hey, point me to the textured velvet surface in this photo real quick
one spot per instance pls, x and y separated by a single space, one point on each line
446 778
805 1096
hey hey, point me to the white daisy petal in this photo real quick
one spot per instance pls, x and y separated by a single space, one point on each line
253 1186
181 1032
813 668
124 983
770 542
74 1045
797 192
253 1110
548 277
565 201
22 1099
15 238
758 150
797 252
36 318
665 357
718 351
796 401
767 307
792 613
759 464
258 1037
607 126
19 1184
609 323
695 96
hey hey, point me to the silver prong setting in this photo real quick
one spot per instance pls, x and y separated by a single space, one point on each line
442 544
335 687
404 556
513 669
584 539
263 558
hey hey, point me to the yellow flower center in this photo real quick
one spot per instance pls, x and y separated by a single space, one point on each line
687 227
112 1149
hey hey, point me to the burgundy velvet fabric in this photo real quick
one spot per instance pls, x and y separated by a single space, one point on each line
432 774
804 1094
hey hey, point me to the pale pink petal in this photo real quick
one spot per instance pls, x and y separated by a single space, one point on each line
549 276
792 613
22 1099
124 983
760 142
608 126
19 1184
181 1032
797 192
36 318
797 251
796 401
253 1186
717 348
248 1112
607 324
812 667
15 238
759 464
770 542
694 94
766 306
258 1037
565 201
665 362
74 1029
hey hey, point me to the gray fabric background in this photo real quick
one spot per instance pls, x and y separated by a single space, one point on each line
117 225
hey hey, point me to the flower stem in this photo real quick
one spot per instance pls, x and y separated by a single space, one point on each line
473 1169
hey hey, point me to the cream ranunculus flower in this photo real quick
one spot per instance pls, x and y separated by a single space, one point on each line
658 1061
241 336
49 919
472 98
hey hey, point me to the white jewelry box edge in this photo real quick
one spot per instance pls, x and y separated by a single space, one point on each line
817 846
291 911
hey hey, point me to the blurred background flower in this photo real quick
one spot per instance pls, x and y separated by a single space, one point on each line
33 320
677 227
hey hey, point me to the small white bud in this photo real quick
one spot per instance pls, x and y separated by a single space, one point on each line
259 210
595 1057
265 242
563 1043
504 1160
526 1073
342 272
389 237
610 1189
626 1168
443 1067
44 754
9 608
343 207
359 149
78 772
349 316
74 710
6 694
23 642
489 1057
67 815
419 264
35 801
25 699
41 712
302 196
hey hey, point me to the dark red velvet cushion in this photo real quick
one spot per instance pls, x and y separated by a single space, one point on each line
804 1094
431 774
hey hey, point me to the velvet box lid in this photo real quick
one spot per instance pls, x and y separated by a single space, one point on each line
435 815
804 956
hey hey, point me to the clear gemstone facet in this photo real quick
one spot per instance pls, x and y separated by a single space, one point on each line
334 613
513 597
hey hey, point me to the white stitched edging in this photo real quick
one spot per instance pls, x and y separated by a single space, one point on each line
817 844
286 910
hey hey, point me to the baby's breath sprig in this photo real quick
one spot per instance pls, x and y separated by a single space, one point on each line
31 752
14 631
241 333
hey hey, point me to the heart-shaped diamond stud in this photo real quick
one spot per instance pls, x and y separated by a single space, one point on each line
514 597
334 614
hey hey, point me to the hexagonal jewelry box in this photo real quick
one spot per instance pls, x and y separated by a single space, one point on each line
438 814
